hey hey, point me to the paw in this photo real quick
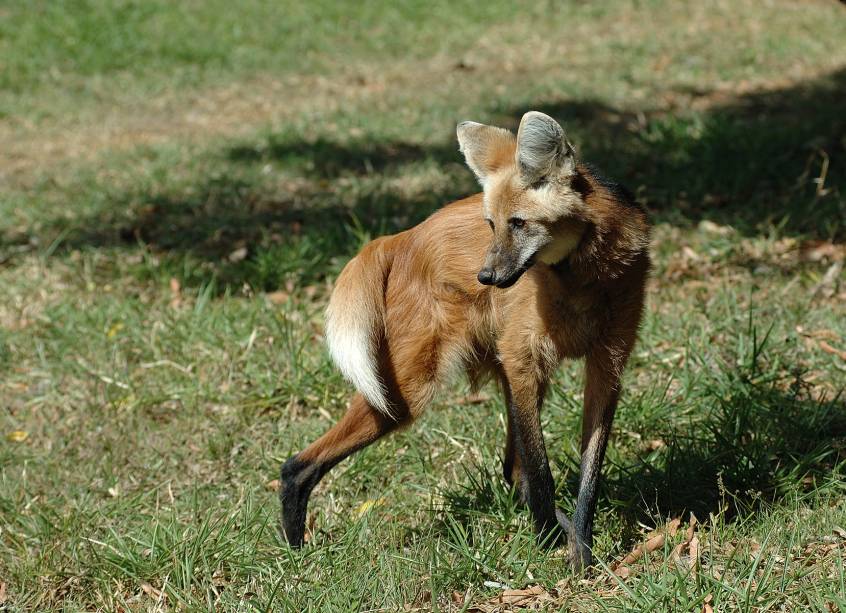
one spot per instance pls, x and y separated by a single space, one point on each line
293 505
579 554
292 521
294 535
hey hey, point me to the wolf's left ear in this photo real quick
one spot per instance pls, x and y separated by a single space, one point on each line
485 148
542 149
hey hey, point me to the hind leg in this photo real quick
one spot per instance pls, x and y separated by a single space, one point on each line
360 426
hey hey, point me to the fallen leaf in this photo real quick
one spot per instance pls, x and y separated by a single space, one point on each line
815 251
713 228
689 253
694 554
655 540
114 492
151 591
654 444
17 436
840 532
113 331
2 592
517 597
828 284
273 486
670 528
690 543
175 292
706 605
832 350
278 297
365 506
238 255
691 527
623 572
635 554
824 333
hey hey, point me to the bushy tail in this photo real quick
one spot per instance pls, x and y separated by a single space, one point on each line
355 320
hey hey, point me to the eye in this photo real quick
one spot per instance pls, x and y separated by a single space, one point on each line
490 223
516 222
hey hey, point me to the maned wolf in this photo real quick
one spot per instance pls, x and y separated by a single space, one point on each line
549 262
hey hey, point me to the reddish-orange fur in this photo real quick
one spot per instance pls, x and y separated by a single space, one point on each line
436 317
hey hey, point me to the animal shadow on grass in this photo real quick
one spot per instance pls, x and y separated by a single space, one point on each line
753 440
232 232
752 161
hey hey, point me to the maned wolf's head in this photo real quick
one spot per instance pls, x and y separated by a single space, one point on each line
529 202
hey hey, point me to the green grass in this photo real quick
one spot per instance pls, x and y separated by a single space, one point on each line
180 183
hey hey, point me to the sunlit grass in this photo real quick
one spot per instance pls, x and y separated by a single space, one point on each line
161 346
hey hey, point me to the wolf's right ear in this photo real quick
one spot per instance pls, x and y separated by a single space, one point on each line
485 148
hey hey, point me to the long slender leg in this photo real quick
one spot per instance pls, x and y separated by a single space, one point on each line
360 426
602 390
511 470
537 487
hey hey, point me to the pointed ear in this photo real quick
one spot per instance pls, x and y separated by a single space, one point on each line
485 148
542 149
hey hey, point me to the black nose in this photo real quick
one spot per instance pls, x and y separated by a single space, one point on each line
486 276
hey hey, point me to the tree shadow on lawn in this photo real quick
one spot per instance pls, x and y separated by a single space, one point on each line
289 232
747 444
752 161
770 158
289 238
763 159
325 159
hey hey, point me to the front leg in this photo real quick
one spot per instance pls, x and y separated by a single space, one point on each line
602 390
511 471
525 397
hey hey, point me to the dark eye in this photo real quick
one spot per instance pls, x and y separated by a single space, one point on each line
490 223
516 222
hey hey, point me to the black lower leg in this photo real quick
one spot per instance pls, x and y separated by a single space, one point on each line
591 467
508 465
537 485
360 426
594 443
511 461
296 482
